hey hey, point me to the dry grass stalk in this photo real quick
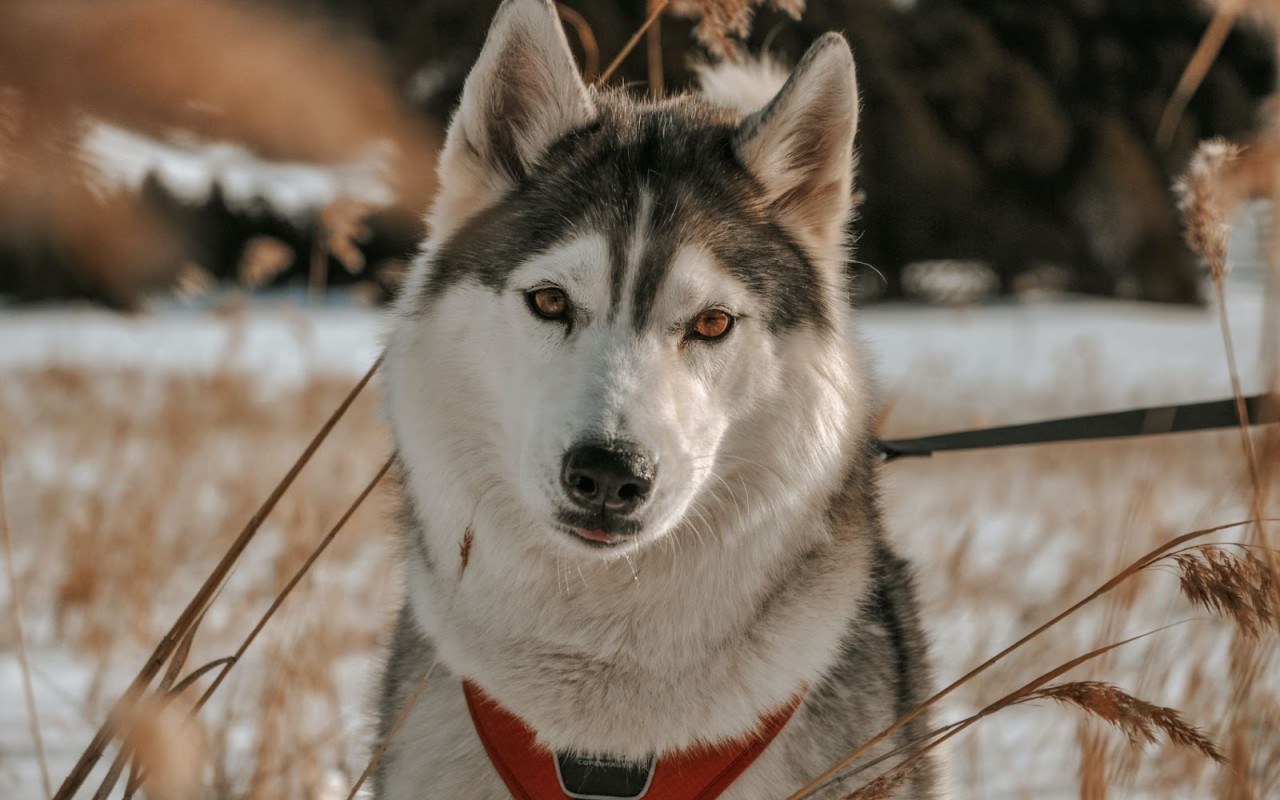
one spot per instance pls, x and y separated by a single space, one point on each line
294 581
410 702
1226 14
1235 779
114 772
649 22
1137 719
199 603
1093 763
1238 586
1268 766
653 55
586 38
1269 352
464 550
722 22
1224 19
24 660
318 270
882 788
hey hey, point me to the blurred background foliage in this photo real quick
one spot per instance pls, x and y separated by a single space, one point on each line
1006 146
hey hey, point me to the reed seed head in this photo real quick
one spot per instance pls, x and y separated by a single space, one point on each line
1207 201
722 22
1139 720
1236 585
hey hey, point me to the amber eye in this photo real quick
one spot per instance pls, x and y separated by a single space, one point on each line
711 324
549 302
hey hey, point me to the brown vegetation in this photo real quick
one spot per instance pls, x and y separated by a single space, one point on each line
117 552
287 89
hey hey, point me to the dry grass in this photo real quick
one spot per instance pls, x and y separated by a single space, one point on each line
1007 539
20 642
124 487
132 480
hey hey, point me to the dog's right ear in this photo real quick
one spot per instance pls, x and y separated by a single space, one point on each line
523 94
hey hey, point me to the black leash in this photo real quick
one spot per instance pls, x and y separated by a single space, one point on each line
1112 425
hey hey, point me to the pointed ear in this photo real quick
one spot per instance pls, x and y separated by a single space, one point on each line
523 94
800 146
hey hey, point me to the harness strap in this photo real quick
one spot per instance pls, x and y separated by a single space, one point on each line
1112 425
531 772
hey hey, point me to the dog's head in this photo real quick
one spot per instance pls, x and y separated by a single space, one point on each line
628 314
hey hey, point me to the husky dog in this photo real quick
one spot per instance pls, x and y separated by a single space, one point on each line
633 420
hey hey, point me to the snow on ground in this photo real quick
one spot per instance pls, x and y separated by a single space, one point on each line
1120 352
1136 351
281 344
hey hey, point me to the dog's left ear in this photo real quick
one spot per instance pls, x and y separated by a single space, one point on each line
523 94
800 146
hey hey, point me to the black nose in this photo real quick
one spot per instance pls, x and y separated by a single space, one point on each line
613 480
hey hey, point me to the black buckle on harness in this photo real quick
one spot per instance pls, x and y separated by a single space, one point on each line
601 778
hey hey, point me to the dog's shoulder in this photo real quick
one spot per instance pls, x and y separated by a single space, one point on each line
882 672
410 655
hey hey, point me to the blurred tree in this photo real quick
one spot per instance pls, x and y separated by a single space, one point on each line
1012 132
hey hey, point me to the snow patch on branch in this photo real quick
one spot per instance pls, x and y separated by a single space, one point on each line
122 159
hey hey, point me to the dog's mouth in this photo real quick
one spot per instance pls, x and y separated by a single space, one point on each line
597 538
598 530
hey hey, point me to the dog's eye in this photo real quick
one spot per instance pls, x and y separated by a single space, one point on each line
548 302
710 325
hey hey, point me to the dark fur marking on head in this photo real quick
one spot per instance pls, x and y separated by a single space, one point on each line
681 153
651 271
619 242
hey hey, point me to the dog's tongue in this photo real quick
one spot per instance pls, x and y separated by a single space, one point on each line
596 536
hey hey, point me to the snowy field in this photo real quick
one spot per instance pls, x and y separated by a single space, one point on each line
1001 540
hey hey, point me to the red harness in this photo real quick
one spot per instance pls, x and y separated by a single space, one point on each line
531 773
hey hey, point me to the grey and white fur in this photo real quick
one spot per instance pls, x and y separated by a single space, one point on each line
626 363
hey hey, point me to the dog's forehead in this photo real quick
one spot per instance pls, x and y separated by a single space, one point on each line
596 280
647 185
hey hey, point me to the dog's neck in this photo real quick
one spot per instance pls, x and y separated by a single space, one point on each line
687 641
